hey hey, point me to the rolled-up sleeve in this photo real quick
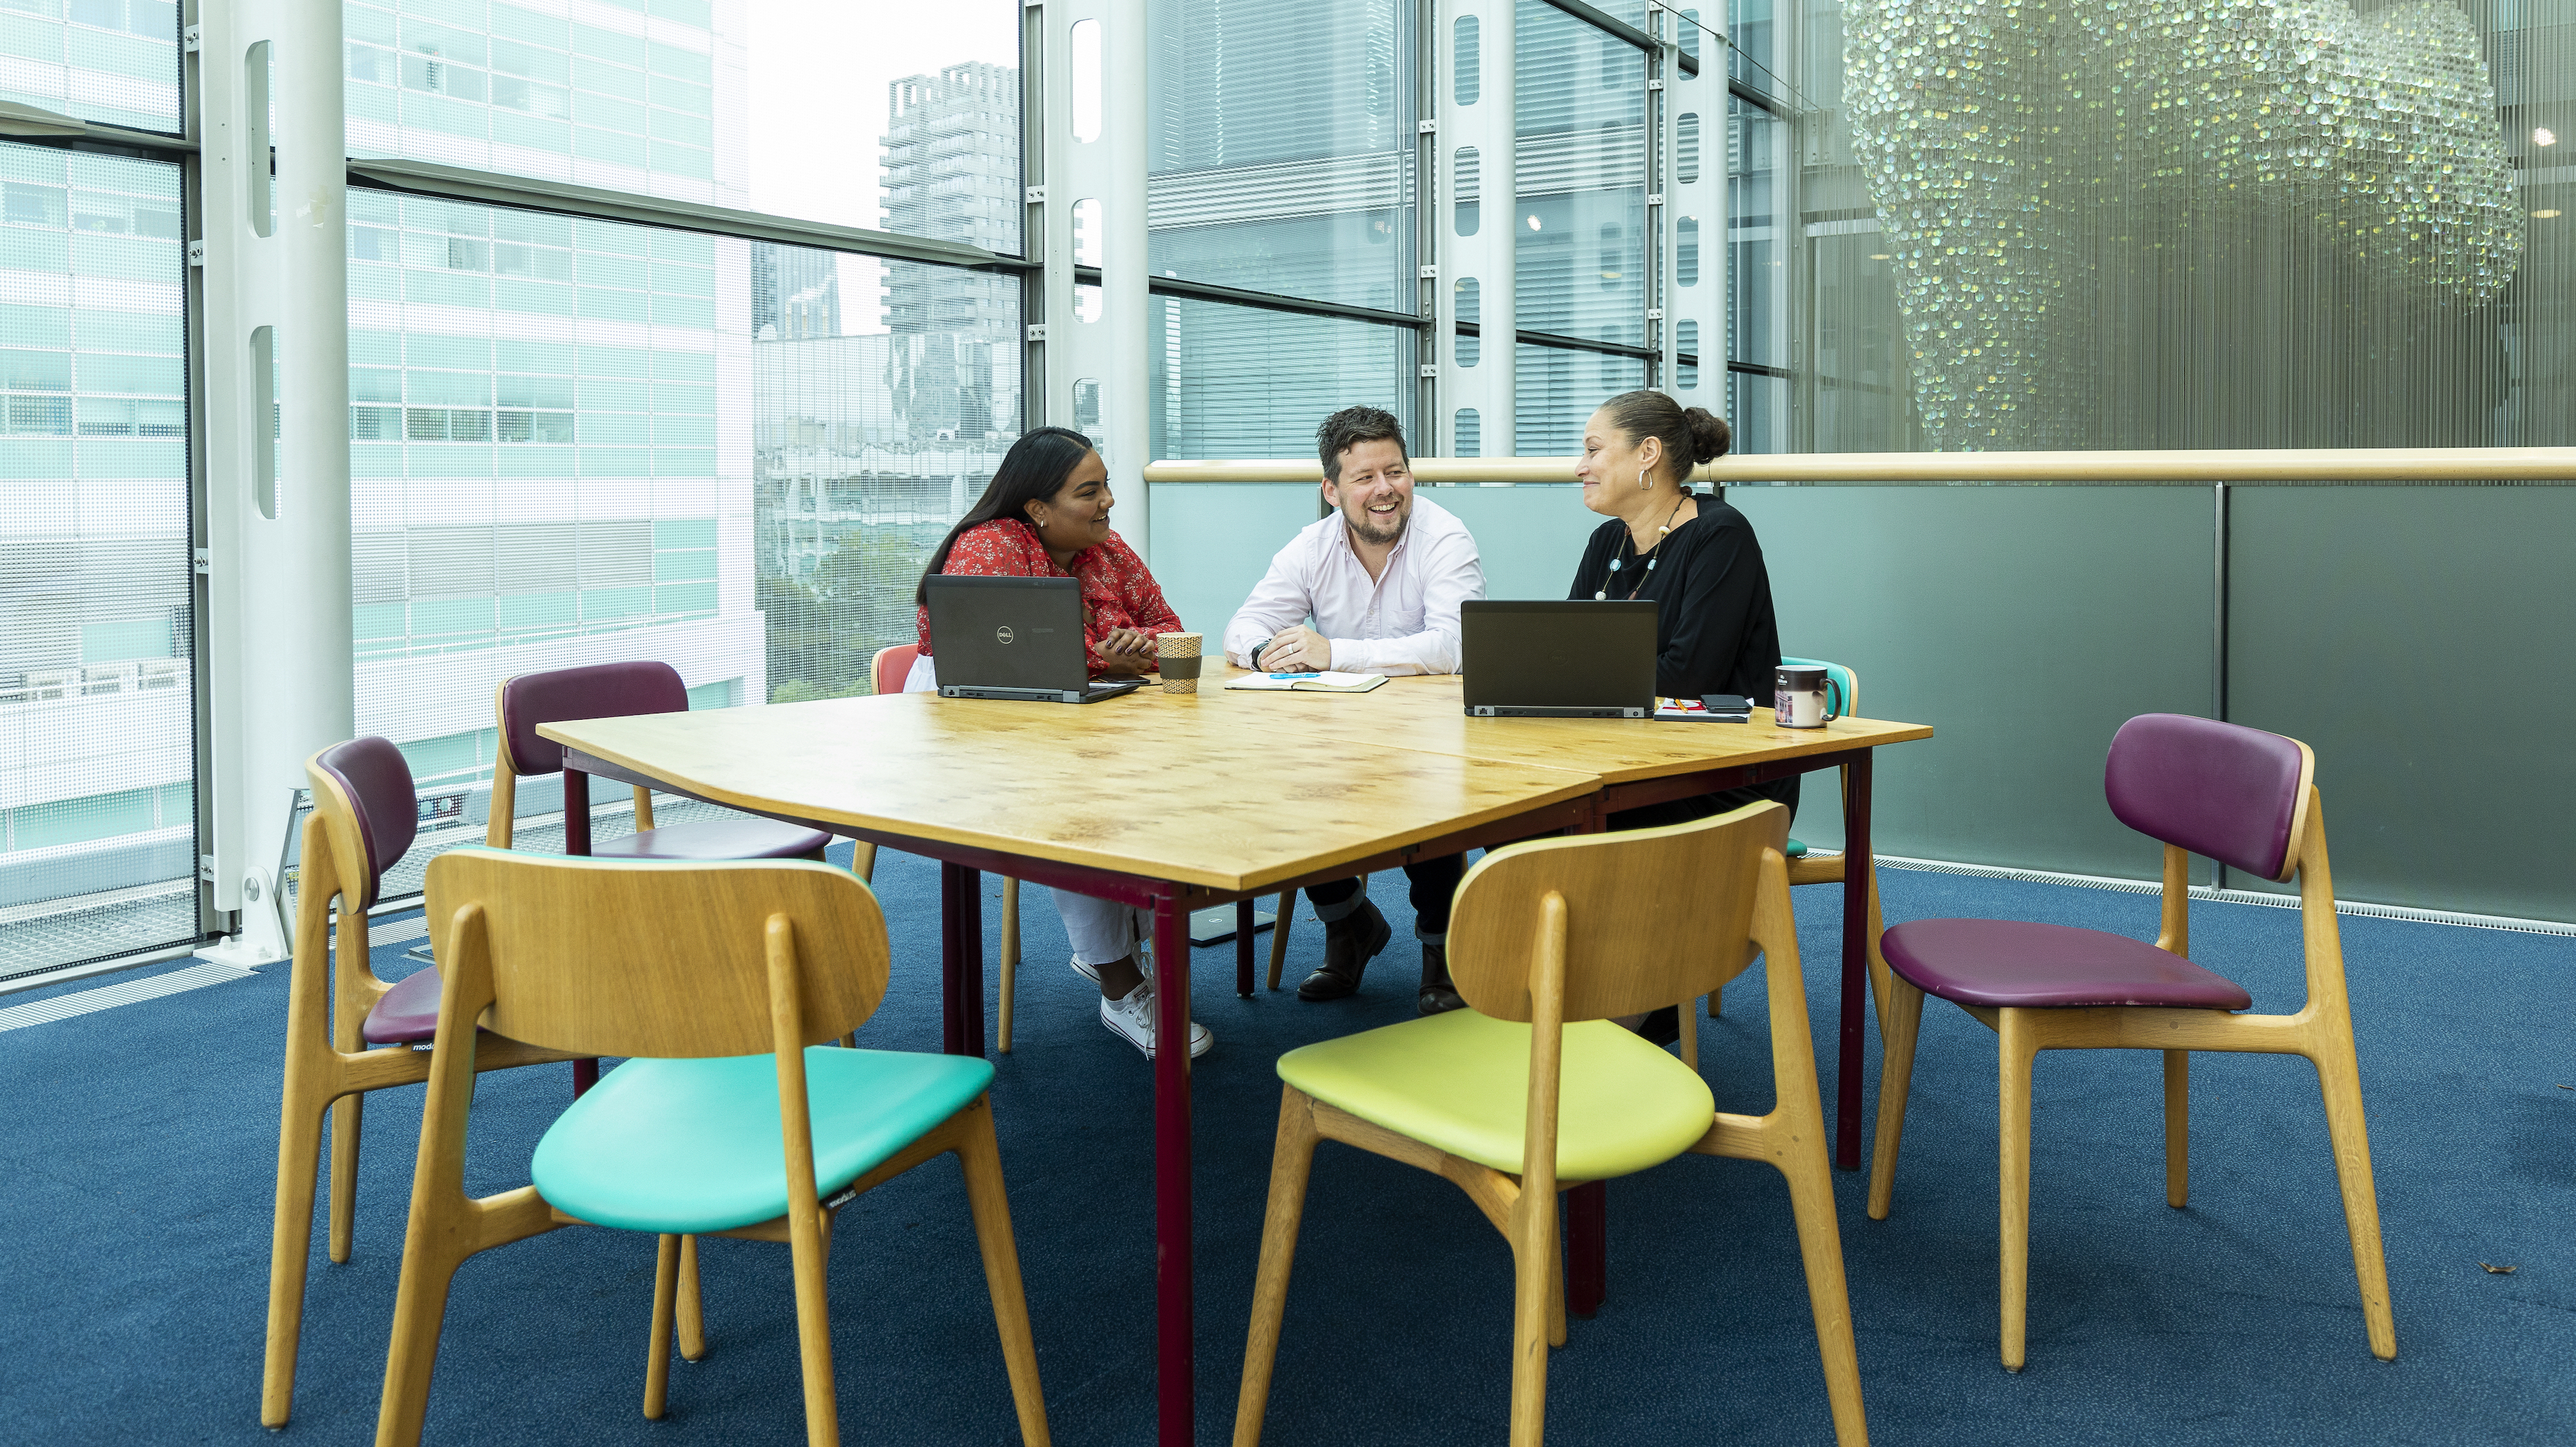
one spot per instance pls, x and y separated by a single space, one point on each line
1278 601
1452 573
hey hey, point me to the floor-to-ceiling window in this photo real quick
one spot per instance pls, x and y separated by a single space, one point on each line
98 802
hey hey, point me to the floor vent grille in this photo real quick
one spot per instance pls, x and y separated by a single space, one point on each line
108 997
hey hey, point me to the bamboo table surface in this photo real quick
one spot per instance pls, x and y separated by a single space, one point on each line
1430 714
1161 788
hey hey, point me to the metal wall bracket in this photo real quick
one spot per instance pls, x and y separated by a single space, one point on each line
196 253
1037 331
192 39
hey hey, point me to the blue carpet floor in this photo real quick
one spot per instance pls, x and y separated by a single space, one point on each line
137 1147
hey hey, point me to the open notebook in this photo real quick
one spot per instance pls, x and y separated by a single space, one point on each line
1309 682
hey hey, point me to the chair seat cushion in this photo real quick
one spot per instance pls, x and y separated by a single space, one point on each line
1460 1082
2009 963
684 1146
737 836
408 1014
1794 850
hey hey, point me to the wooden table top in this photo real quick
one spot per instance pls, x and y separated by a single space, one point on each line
1429 714
1145 785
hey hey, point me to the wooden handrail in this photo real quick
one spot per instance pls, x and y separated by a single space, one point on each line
2267 465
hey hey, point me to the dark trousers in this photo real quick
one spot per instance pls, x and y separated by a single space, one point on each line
1434 885
1703 806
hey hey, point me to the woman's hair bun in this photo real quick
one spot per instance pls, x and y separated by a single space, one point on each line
1710 436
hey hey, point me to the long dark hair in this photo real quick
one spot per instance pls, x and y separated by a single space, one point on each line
1032 471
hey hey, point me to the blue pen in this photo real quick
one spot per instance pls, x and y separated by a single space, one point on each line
1294 675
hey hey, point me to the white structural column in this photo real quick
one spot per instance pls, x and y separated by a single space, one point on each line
1476 167
1694 214
276 427
1092 197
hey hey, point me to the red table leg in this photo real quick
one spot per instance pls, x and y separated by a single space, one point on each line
1173 1373
1243 947
1587 1242
1856 943
576 799
961 960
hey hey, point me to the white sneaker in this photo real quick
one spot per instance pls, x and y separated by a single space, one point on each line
1132 1020
1088 972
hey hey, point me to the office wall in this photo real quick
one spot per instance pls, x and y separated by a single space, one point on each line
2421 640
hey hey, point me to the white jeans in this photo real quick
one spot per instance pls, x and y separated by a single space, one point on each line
1103 932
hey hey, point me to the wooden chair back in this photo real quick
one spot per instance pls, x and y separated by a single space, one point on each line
892 666
660 960
1652 916
2233 794
1836 674
367 812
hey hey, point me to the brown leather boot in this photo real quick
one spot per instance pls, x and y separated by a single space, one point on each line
1349 944
1437 994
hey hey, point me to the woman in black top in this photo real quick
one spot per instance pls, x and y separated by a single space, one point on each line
1691 553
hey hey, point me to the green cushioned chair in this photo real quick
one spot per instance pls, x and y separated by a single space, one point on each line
1535 1089
1806 868
716 979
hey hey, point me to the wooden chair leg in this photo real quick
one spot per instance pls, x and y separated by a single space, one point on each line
347 1121
863 860
806 1247
299 1158
1797 1122
1716 1005
982 1159
2177 1128
2339 1078
420 1308
2014 1052
1535 1260
1286 911
1556 1292
657 1355
1292 1161
1900 1023
692 1306
1010 956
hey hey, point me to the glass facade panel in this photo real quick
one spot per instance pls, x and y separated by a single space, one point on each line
590 455
742 103
1555 389
1232 381
115 61
1580 229
1280 145
98 829
866 447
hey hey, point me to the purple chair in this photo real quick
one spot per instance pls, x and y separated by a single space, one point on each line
2242 797
347 1031
618 690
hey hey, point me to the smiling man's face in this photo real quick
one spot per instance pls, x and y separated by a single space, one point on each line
1374 492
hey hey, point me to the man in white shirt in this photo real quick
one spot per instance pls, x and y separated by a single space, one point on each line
1381 580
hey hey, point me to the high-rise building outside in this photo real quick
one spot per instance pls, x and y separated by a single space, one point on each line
869 446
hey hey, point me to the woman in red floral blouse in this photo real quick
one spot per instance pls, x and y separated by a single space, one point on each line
1046 515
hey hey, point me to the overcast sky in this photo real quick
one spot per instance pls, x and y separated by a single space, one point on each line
819 72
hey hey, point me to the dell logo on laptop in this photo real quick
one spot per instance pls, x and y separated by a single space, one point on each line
1002 634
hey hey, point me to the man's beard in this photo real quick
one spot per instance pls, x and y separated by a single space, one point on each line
1364 526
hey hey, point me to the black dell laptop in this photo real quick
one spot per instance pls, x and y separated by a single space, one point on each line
1558 660
1014 638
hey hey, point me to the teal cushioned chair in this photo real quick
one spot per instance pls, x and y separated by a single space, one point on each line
714 979
1807 868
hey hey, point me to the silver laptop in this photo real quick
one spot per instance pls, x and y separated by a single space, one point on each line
1014 638
1558 660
